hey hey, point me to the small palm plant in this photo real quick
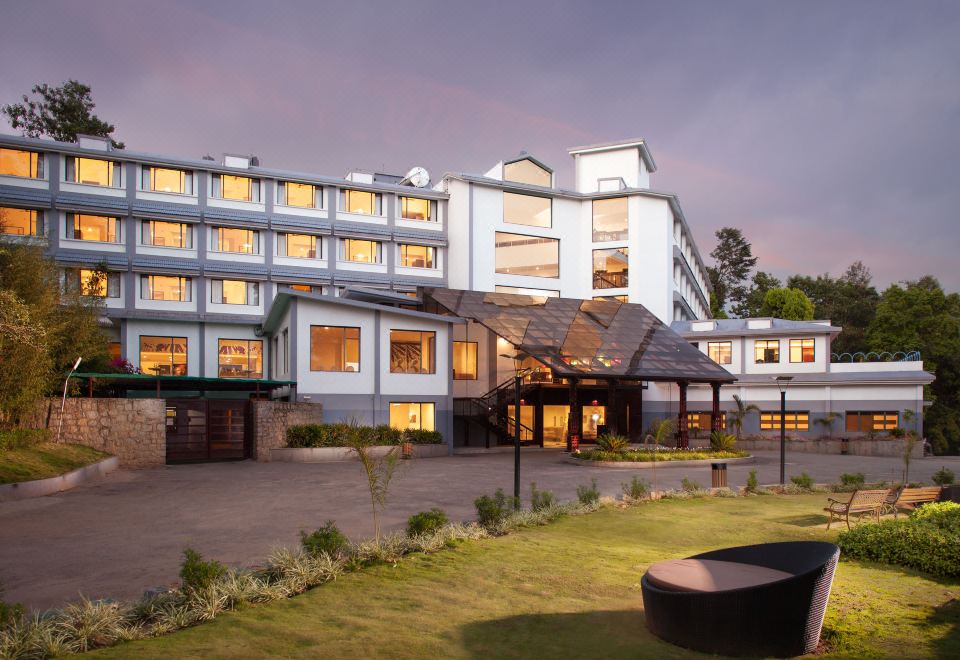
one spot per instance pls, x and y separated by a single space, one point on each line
826 422
722 441
610 442
660 432
738 416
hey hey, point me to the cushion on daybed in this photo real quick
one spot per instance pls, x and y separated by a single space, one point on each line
709 575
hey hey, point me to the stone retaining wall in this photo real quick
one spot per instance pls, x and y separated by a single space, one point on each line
855 447
271 420
130 429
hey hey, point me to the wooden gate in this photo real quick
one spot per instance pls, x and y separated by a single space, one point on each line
206 430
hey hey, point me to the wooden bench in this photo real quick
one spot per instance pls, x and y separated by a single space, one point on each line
862 502
910 498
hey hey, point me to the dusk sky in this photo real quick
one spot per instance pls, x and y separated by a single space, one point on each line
827 131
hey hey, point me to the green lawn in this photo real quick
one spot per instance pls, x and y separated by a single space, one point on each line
44 460
570 589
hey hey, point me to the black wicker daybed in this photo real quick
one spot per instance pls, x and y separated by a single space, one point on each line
757 600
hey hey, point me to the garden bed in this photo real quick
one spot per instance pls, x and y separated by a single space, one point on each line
22 490
338 454
33 461
634 458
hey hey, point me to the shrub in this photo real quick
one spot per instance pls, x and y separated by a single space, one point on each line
491 511
636 489
945 515
22 438
855 479
897 432
327 540
540 499
426 522
610 442
722 441
588 495
752 484
198 574
804 481
342 434
904 542
943 477
690 486
11 614
422 437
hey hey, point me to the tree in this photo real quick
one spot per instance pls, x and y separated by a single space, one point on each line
791 304
849 301
733 260
60 113
752 304
738 416
379 471
827 423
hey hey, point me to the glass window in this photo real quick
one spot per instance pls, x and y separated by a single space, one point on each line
94 283
16 162
160 233
700 421
622 299
114 350
416 256
526 210
308 288
720 352
305 195
239 188
92 172
766 351
865 422
464 360
83 227
234 292
541 293
413 352
334 348
162 179
526 171
240 358
21 222
413 208
413 416
610 219
792 421
801 350
535 256
300 246
361 251
241 241
163 356
361 202
166 287
611 268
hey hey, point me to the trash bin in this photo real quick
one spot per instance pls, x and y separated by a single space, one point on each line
718 475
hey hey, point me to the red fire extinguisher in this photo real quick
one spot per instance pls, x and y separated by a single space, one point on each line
575 443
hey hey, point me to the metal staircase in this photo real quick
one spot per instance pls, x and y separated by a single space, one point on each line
490 412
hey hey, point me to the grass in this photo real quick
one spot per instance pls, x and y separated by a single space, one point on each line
44 460
570 589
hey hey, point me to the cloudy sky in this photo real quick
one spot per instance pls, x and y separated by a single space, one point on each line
827 131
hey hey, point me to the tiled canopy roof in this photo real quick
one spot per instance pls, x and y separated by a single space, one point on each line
589 338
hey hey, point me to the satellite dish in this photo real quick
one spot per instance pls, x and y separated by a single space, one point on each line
418 177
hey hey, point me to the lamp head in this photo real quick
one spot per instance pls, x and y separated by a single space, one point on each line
77 363
782 382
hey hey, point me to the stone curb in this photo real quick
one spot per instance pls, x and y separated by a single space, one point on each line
340 454
622 465
41 487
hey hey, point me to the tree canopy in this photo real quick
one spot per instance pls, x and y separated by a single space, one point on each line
60 113
733 259
752 304
785 303
849 301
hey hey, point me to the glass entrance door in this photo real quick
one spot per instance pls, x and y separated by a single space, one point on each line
593 416
555 425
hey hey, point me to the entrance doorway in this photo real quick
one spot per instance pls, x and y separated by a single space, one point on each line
555 425
593 418
206 430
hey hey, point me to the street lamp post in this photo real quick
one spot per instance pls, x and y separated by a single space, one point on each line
63 401
782 383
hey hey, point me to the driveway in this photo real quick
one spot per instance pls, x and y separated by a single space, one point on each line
126 533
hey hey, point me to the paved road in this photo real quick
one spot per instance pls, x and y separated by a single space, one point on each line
125 533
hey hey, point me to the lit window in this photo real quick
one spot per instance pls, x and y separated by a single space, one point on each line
234 292
166 234
241 241
526 171
163 356
412 352
701 421
610 219
166 287
526 210
308 288
240 358
866 422
416 256
15 162
83 227
801 350
334 348
413 208
766 351
239 188
114 350
622 299
412 416
611 268
297 194
464 360
361 251
361 202
534 256
21 222
93 172
300 246
94 283
162 179
720 352
792 421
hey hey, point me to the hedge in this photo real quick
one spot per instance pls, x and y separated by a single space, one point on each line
339 435
22 438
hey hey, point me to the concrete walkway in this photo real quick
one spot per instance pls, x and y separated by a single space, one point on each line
126 533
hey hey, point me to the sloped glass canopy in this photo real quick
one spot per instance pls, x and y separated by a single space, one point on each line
587 338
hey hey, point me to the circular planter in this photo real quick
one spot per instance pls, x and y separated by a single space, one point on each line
649 464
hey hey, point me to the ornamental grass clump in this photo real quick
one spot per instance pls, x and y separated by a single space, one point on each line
803 482
540 499
722 441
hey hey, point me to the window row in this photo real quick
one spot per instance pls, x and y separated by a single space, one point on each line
167 356
336 348
765 351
